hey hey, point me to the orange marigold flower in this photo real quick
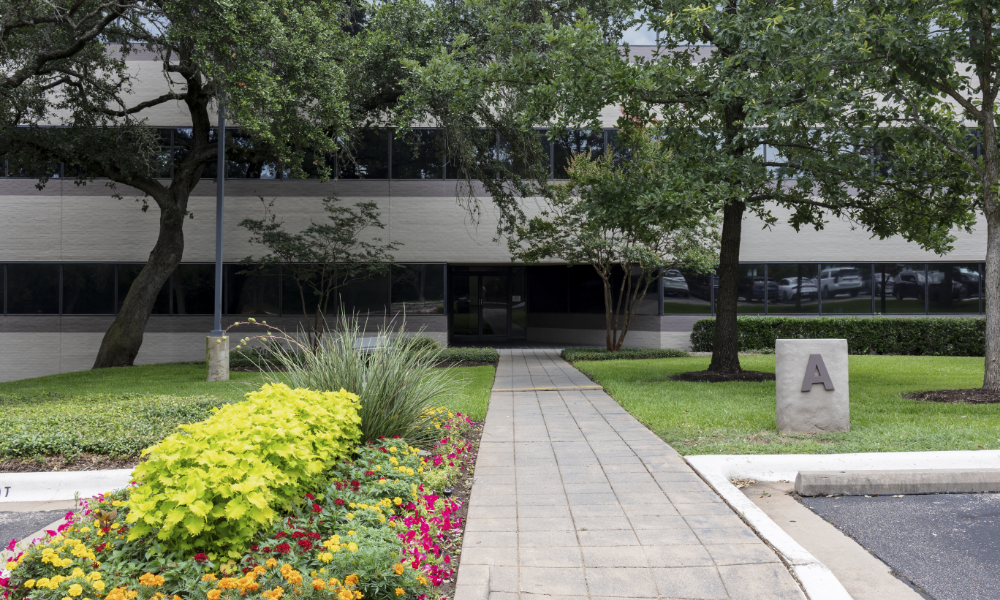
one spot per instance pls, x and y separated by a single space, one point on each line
208 577
399 570
400 591
150 580
345 594
271 563
351 579
259 570
214 594
228 583
318 584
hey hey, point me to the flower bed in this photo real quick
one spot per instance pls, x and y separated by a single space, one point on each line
377 528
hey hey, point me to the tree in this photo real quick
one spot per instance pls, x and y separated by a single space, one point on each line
727 79
629 213
937 67
323 257
275 64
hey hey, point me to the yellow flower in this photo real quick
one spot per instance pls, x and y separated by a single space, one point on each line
397 501
29 583
98 585
392 449
398 568
42 582
115 525
318 584
344 595
351 579
214 594
352 532
95 575
349 516
421 580
271 563
75 590
77 572
400 591
334 582
11 565
325 556
352 547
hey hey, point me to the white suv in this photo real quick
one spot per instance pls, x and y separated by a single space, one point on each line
840 280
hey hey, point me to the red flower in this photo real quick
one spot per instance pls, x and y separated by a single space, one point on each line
313 535
305 544
266 548
200 557
317 508
283 548
369 473
298 534
280 534
253 547
310 496
355 483
338 502
395 437
383 449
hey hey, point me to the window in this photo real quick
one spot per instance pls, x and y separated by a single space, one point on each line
417 289
369 295
253 293
586 289
797 289
487 153
88 289
753 288
418 154
843 288
687 293
964 282
573 143
365 155
32 289
548 289
194 290
244 161
899 288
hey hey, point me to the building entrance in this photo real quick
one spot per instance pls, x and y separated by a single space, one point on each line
487 304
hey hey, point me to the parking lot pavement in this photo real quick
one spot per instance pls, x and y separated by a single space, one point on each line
948 545
18 525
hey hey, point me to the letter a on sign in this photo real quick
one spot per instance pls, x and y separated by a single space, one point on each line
816 373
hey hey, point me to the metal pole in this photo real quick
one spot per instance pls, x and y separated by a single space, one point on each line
220 195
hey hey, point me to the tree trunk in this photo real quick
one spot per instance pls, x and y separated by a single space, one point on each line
725 346
123 339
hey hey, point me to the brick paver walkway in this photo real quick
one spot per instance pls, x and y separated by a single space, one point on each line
574 498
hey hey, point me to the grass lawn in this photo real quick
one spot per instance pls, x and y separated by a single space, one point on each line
738 418
120 411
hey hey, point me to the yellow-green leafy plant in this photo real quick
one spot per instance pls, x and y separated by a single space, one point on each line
214 484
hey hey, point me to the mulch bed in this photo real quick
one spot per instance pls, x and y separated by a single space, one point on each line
714 377
83 462
973 396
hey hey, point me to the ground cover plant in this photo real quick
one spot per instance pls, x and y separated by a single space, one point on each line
739 417
375 526
575 354
104 418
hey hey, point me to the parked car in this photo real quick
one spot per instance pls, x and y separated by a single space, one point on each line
840 280
968 278
911 284
701 286
752 288
881 280
791 288
674 284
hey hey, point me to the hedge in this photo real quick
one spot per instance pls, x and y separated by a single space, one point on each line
479 355
575 354
918 336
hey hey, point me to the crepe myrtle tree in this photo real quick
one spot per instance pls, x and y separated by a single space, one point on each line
275 64
324 257
728 79
936 65
630 215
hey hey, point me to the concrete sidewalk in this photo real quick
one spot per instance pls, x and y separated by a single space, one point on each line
574 498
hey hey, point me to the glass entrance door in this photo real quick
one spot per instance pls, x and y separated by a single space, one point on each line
480 305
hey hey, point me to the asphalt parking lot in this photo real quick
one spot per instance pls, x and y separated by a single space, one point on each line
946 545
18 525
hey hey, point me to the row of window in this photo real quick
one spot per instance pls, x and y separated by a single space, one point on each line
835 288
100 289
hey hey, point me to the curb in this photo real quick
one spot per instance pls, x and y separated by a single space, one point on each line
817 580
60 485
906 481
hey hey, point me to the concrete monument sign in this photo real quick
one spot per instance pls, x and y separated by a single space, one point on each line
812 386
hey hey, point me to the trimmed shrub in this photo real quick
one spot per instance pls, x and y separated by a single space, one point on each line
419 342
575 354
916 336
483 355
213 485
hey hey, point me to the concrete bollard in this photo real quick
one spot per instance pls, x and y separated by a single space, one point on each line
217 355
812 386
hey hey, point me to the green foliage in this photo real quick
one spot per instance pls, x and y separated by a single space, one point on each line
878 335
739 418
631 214
420 342
111 424
396 377
483 355
575 354
218 482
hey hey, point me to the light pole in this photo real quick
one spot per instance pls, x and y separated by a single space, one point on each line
218 341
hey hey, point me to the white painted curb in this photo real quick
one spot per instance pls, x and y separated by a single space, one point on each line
60 485
818 582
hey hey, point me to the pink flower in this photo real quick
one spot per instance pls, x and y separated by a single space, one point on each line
10 546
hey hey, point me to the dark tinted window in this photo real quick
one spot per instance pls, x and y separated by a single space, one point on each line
32 171
313 163
418 289
32 289
586 290
368 295
245 161
127 274
548 289
575 142
88 289
194 290
518 158
418 154
486 154
254 293
369 149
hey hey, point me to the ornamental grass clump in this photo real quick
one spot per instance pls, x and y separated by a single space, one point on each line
394 375
213 485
